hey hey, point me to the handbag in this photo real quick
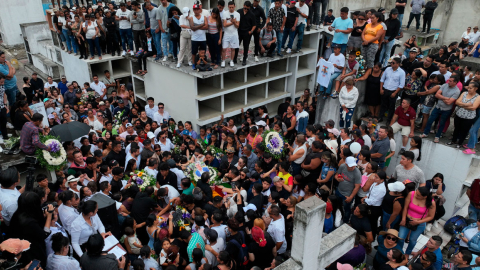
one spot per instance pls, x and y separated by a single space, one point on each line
304 173
413 227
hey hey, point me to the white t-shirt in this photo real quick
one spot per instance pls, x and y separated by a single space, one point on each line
219 246
393 145
172 192
339 60
151 111
277 230
168 146
272 5
466 35
474 37
303 10
48 85
231 30
124 24
446 75
90 30
99 88
367 140
324 72
221 232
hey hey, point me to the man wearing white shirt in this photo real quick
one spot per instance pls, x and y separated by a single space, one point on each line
179 173
72 183
133 154
150 107
164 142
151 169
50 83
129 131
466 34
161 116
9 179
99 87
277 228
474 35
442 69
302 9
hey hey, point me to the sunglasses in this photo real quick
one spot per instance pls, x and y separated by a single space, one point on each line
160 107
394 239
360 19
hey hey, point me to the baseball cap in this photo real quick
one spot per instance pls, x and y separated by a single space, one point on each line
261 122
97 153
129 125
89 89
292 2
120 101
69 84
335 131
414 49
185 132
63 77
396 186
185 10
196 6
276 179
101 103
72 179
45 100
51 116
79 91
197 194
350 161
150 135
394 11
357 132
171 163
329 208
251 206
336 46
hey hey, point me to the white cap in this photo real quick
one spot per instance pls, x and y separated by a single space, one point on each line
396 186
261 123
350 161
250 206
150 135
72 179
185 10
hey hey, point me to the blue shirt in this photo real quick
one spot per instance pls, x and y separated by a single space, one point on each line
326 169
9 83
63 87
393 79
339 23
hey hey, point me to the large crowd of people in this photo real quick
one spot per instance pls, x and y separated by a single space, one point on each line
248 225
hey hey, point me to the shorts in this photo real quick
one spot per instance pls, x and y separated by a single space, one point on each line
230 42
427 110
197 44
345 79
405 130
355 42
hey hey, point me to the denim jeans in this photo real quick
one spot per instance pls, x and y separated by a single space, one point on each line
347 207
406 52
11 94
385 219
444 115
92 44
156 41
403 233
330 84
417 20
385 53
70 41
473 213
214 48
266 6
166 41
290 34
317 17
127 37
342 46
400 18
279 41
64 2
472 141
348 117
299 31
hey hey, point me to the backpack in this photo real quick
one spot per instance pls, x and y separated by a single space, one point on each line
455 224
243 249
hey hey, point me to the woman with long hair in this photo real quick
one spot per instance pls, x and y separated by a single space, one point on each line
174 28
214 36
131 166
371 35
329 168
437 187
419 209
225 261
409 44
290 121
393 146
60 259
416 147
32 224
197 260
466 114
392 205
375 193
337 210
91 30
428 96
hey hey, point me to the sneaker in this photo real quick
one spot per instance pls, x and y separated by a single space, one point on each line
298 51
10 126
223 64
232 64
428 227
157 58
321 26
124 53
307 28
193 67
289 50
165 58
190 63
279 54
131 52
423 32
179 65
435 224
418 30
317 27
244 62
334 94
256 59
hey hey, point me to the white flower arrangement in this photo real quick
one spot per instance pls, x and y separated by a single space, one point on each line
57 159
195 171
274 143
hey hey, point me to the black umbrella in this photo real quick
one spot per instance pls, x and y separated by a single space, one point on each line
70 131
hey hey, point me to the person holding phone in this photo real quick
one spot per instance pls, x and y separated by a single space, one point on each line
231 23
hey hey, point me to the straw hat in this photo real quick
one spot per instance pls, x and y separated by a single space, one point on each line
391 232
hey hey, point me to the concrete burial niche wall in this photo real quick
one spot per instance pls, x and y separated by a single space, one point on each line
455 166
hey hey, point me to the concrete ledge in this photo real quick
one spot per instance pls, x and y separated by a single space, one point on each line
472 62
335 245
289 264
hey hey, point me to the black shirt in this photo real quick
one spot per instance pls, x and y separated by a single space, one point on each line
328 19
258 202
116 186
119 157
393 26
20 119
439 58
232 249
259 14
263 255
142 206
282 108
361 225
170 179
283 193
247 22
429 70
36 84
206 189
292 15
109 24
401 10
430 8
406 64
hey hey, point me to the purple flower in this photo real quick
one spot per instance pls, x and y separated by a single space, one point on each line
139 181
54 147
274 141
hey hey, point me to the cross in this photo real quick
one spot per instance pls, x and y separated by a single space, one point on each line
310 250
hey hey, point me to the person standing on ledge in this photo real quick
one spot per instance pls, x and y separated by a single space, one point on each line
29 137
342 26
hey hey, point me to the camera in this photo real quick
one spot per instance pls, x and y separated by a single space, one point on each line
31 160
55 205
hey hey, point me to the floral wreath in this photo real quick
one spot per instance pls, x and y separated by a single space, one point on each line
195 171
56 158
274 143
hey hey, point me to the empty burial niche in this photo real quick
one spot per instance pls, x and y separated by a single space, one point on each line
234 79
99 68
256 72
139 88
209 108
256 94
276 88
278 67
120 68
234 101
304 83
209 86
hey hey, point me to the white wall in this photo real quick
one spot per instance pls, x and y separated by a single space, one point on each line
15 12
455 166
75 69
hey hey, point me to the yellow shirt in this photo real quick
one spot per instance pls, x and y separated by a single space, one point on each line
288 178
371 32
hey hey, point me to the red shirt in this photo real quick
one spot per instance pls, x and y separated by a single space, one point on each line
405 117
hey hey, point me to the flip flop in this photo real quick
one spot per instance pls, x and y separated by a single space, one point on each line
465 146
469 152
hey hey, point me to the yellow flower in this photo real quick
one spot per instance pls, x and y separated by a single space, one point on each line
140 174
358 53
